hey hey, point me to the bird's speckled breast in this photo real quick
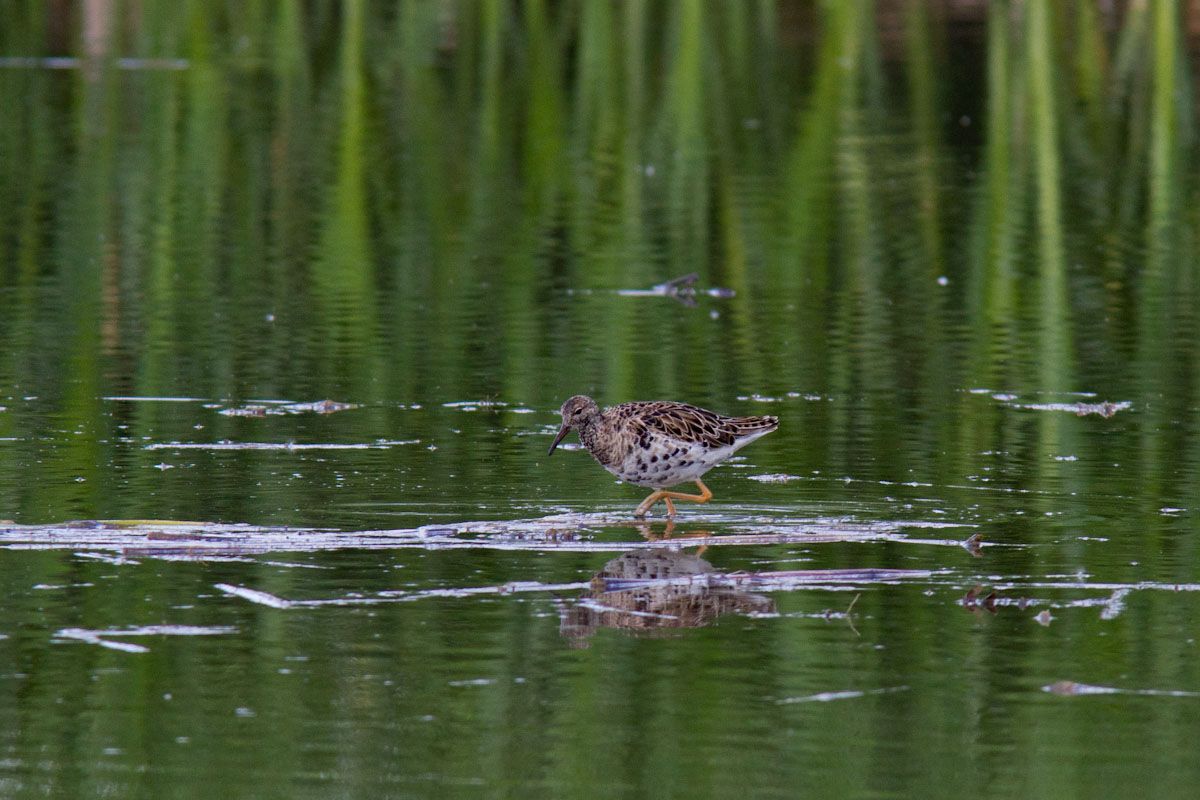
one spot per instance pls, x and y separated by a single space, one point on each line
646 457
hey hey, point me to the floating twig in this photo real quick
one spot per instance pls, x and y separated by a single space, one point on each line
98 636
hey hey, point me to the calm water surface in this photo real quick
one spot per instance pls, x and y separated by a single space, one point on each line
953 249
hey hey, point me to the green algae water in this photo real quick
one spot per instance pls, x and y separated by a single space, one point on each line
291 294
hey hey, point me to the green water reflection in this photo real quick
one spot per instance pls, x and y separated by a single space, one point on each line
948 234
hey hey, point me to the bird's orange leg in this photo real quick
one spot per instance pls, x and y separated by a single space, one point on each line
662 494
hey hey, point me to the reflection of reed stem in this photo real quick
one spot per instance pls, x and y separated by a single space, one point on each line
1055 372
97 36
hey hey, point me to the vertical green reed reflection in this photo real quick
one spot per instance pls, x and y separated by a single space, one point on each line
1055 367
923 89
1054 363
686 135
861 318
1164 323
343 269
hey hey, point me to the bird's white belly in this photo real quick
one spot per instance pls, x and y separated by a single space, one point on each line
659 468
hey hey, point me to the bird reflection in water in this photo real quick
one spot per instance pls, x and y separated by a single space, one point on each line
651 591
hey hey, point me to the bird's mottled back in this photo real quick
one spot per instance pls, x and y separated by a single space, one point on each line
688 423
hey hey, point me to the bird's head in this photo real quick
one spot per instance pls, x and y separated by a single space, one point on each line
577 412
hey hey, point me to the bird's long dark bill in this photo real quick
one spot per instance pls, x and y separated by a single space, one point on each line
562 433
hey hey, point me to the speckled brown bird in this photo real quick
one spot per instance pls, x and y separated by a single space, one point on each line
659 443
